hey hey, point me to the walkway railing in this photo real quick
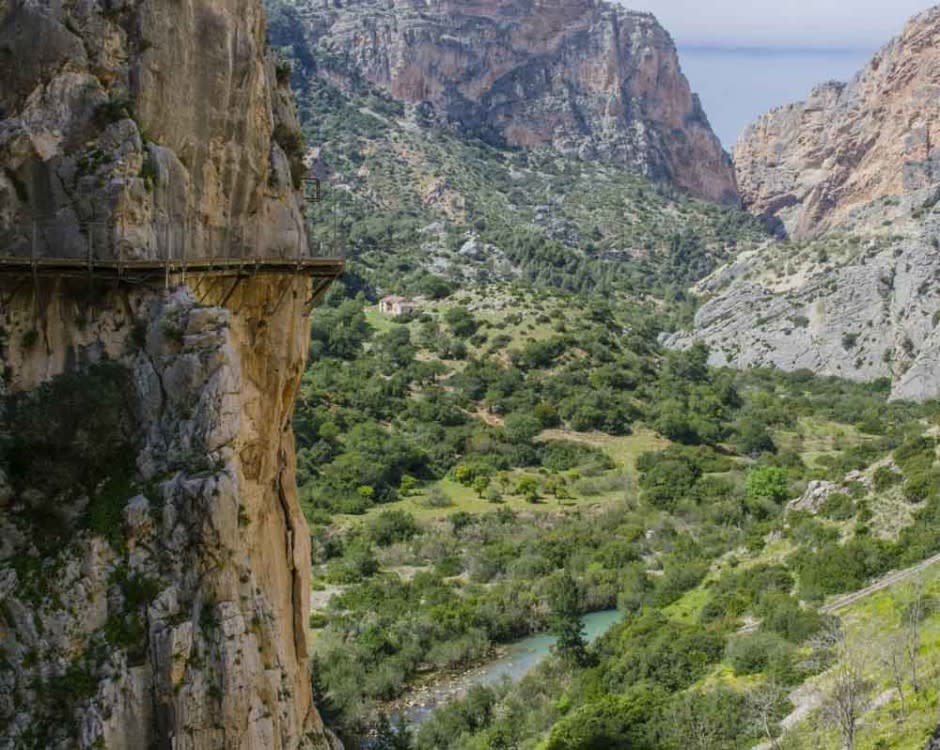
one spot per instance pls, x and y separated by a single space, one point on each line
167 245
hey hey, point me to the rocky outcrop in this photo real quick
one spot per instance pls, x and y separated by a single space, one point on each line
154 563
144 130
860 307
585 78
852 175
167 606
814 163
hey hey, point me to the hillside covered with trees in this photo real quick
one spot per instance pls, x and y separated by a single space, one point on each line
521 450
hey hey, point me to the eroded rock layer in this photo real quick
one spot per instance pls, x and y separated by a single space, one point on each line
861 307
585 77
144 129
159 601
813 163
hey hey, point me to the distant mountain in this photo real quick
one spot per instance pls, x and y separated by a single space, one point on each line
582 77
852 174
814 163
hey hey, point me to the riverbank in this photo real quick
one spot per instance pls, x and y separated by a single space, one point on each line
510 661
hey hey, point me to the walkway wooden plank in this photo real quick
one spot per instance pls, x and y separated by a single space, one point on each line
315 267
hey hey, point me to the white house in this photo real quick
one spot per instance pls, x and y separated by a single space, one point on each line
395 306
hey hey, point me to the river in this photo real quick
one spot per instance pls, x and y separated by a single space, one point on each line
514 661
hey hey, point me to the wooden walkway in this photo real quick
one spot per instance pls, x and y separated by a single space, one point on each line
26 271
143 270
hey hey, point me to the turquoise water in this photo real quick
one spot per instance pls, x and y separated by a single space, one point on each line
518 659
522 655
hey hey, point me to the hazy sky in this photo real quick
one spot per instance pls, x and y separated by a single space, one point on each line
788 23
744 57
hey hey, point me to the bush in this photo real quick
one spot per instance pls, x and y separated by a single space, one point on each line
669 480
838 507
760 652
767 487
564 455
528 487
437 498
753 438
391 526
291 142
461 322
435 287
783 615
885 478
74 437
521 428
921 485
611 722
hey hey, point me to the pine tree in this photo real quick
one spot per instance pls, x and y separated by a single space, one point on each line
565 620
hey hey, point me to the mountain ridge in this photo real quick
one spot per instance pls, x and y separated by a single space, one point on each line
812 164
588 78
850 175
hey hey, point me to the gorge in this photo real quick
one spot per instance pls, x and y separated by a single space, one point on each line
580 366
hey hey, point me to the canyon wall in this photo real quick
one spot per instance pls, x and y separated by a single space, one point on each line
815 163
154 563
145 129
851 177
586 78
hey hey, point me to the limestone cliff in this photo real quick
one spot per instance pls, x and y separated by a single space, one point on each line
862 307
144 128
154 565
813 163
851 174
586 78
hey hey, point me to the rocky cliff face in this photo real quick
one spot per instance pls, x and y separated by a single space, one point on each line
585 78
814 163
144 129
154 565
852 174
861 307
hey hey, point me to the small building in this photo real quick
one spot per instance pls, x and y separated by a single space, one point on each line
396 306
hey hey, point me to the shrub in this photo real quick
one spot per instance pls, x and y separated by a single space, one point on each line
521 428
838 507
292 144
564 455
782 614
461 322
611 722
921 485
767 483
669 480
760 652
528 487
437 498
754 438
391 526
75 436
884 478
